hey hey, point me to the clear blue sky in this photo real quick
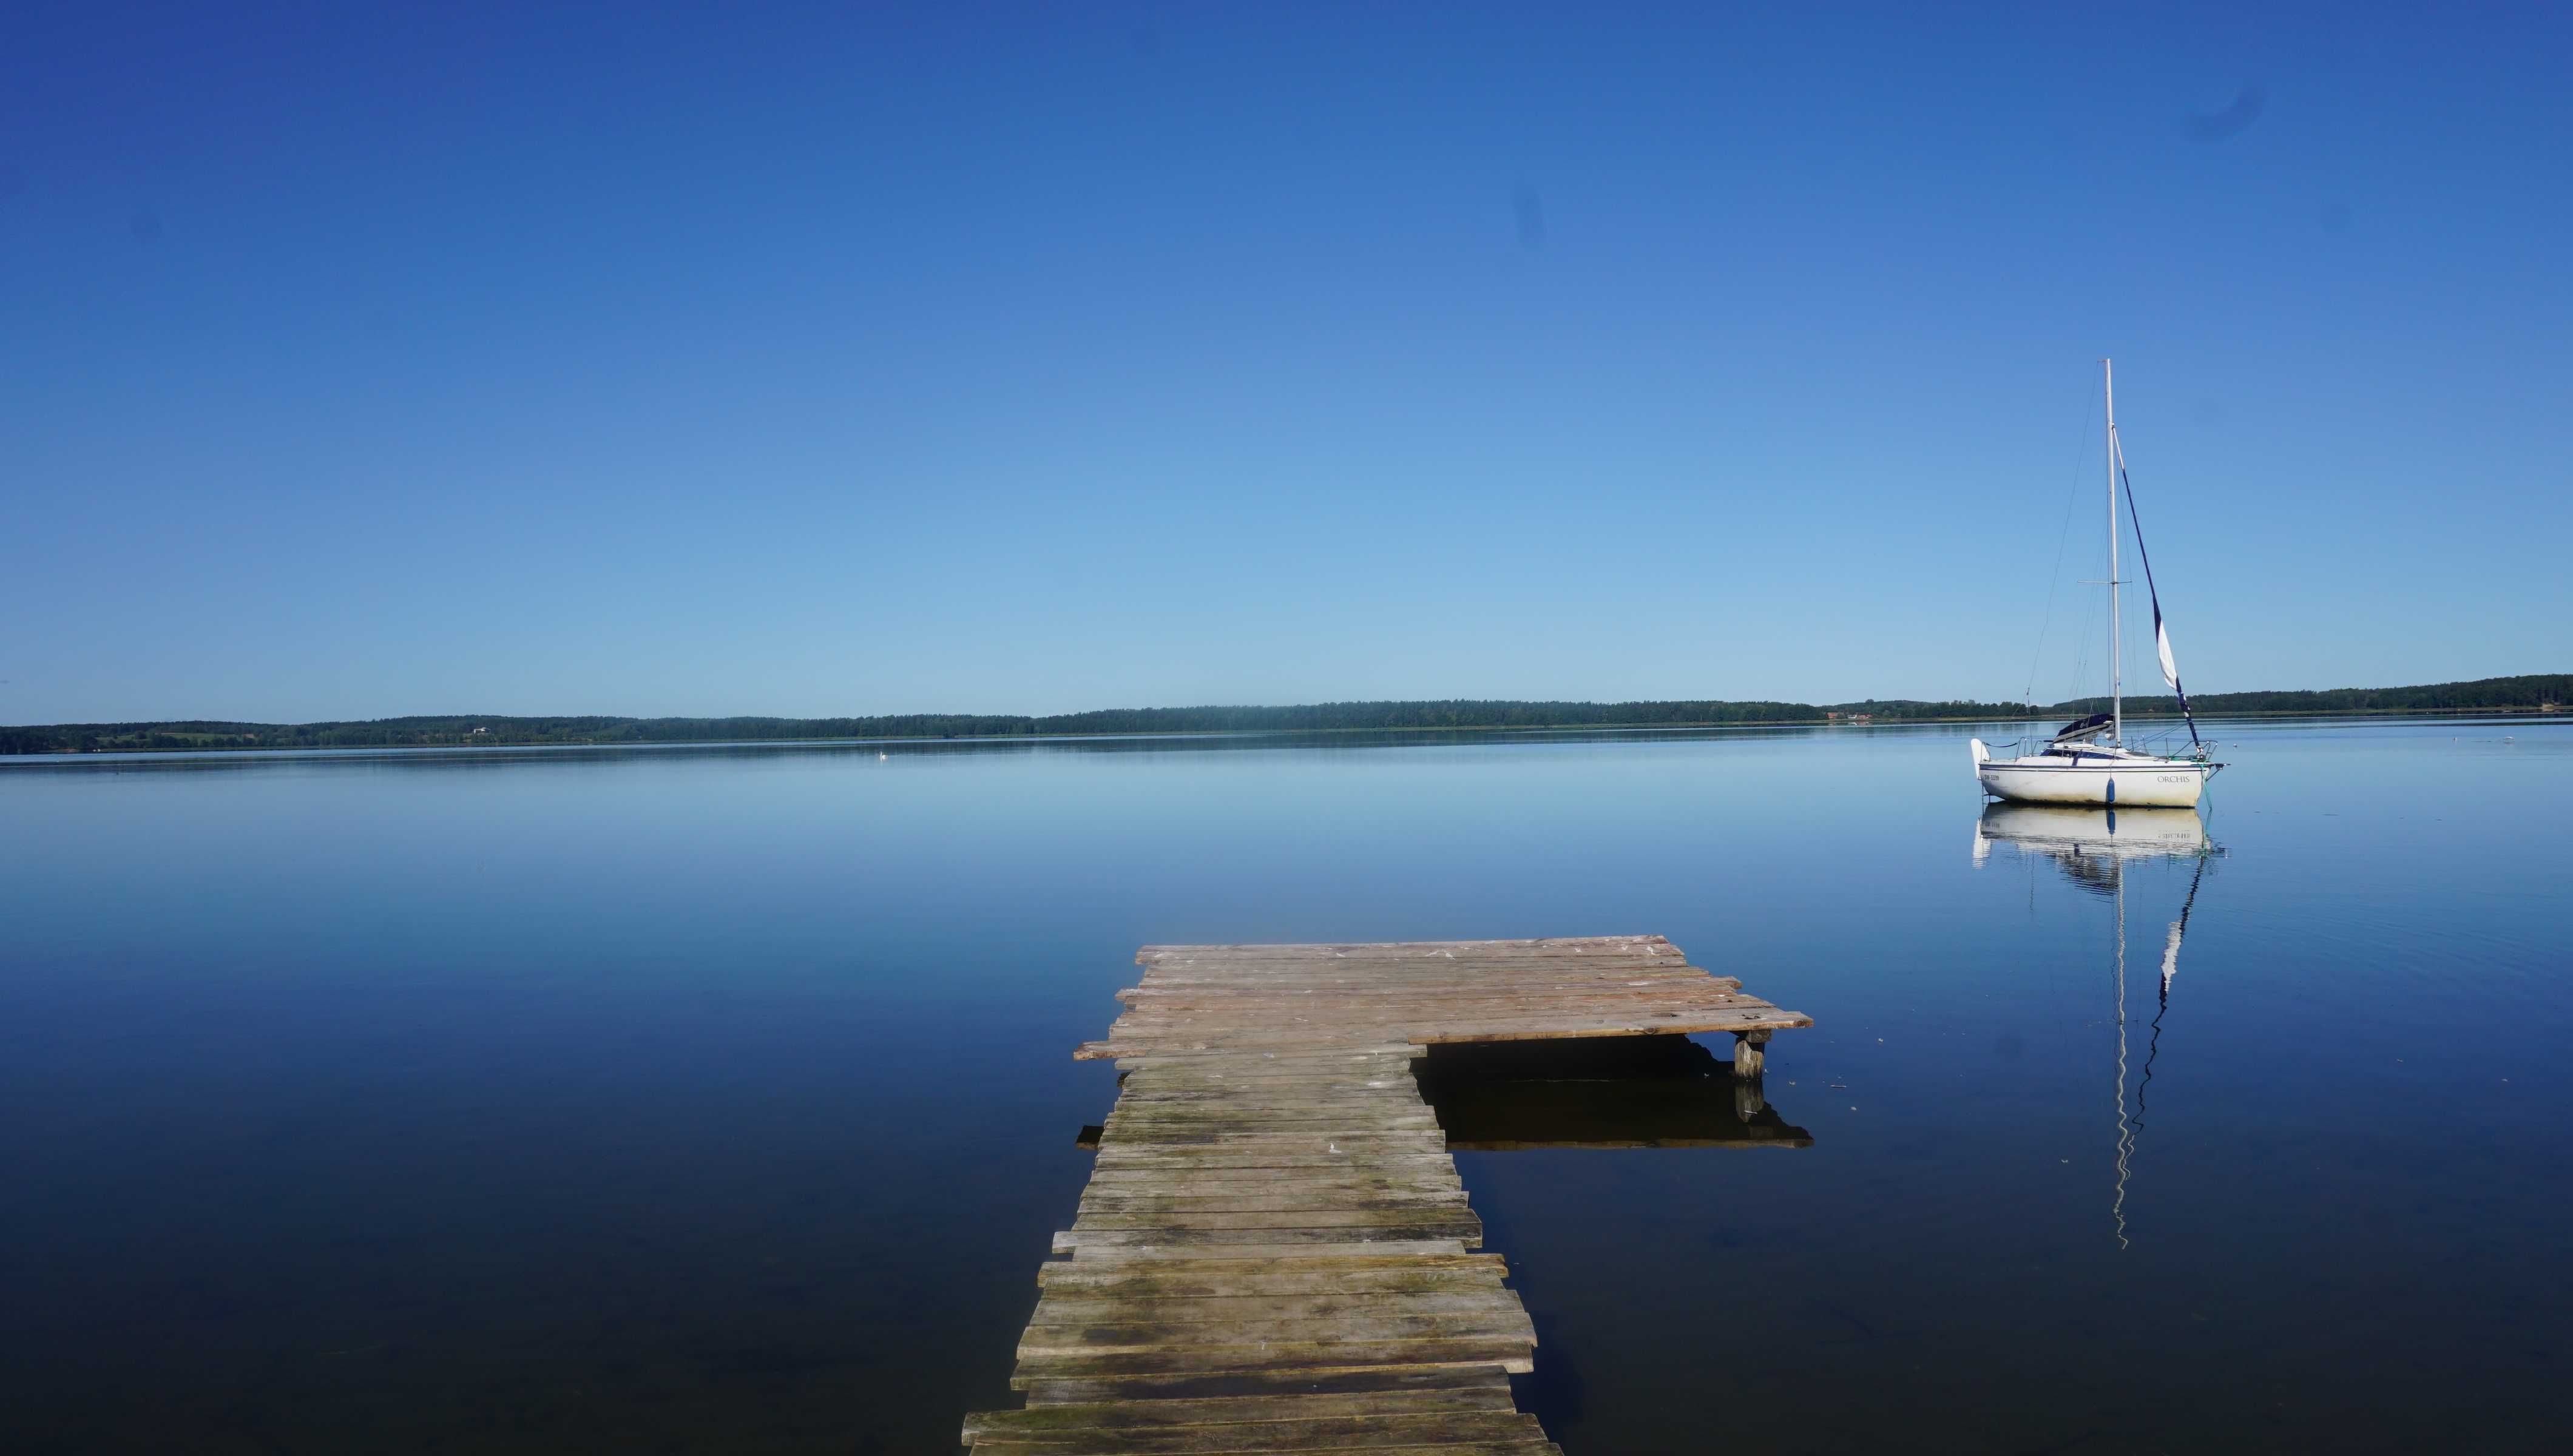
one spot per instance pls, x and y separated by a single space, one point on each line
359 360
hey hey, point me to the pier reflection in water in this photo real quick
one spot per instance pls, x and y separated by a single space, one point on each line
2094 849
1596 1091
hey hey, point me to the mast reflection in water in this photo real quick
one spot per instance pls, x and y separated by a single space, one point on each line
2094 848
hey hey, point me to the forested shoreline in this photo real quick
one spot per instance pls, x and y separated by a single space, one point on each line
2539 693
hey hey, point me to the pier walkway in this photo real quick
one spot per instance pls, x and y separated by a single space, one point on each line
1275 1252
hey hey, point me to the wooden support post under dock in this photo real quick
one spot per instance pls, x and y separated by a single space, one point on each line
1749 1054
1275 1251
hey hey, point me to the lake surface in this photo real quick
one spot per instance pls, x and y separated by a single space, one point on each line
711 1099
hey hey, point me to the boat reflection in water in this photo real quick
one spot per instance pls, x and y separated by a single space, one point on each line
2094 849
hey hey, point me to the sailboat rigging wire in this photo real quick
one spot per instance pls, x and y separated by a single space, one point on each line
2162 642
2056 579
2082 654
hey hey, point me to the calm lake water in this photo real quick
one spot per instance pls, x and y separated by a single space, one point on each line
722 1101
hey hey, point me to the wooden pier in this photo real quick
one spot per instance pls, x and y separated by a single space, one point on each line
1275 1252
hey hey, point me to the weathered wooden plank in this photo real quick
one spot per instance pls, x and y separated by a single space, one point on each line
1359 1087
1409 1171
1251 1244
1408 1132
1151 1414
1228 1073
1530 1027
1141 1324
1141 1196
1339 978
1489 951
1179 1287
1092 1308
1144 1277
1270 1335
1411 950
1452 1218
1180 1181
1218 1055
1284 1097
1534 1029
1501 1023
1319 1052
1276 1211
1431 1427
1287 1201
1232 1073
1207 1150
1146 1127
1358 1090
1140 1416
1434 1221
1146 1050
1527 1446
1327 1062
1183 1174
1261 1384
1311 1149
1509 1352
1283 1166
1212 1026
1285 1197
1166 958
1305 1043
1215 1144
1304 976
1149 1128
1431 1027
1292 971
1226 1117
1346 1004
1208 1141
1248 1179
1213 1150
1372 1017
1187 1052
1290 960
1353 1009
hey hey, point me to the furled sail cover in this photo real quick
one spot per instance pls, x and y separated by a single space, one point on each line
2083 729
2161 640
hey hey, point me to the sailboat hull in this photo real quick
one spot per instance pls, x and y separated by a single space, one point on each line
2151 785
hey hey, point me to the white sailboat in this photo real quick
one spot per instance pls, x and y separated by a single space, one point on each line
2088 761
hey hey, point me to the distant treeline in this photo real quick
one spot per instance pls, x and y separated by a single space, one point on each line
2545 692
2490 694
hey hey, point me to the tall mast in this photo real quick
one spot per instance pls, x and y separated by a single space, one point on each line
2117 670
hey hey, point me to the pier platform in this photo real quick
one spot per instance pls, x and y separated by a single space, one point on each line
1275 1252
